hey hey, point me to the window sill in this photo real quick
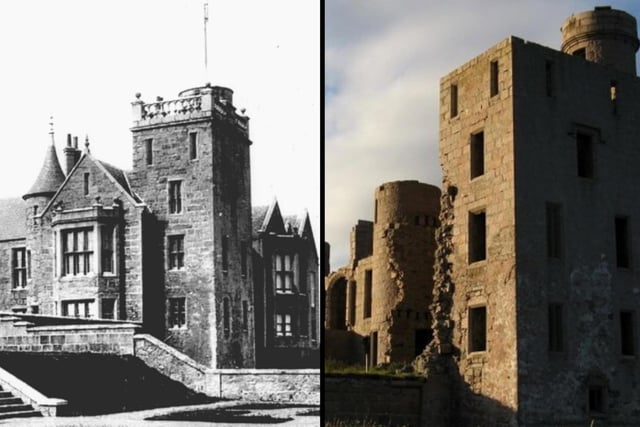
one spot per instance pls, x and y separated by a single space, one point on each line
110 275
478 263
178 328
177 270
285 291
71 277
23 288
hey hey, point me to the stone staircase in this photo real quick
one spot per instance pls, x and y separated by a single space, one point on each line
13 407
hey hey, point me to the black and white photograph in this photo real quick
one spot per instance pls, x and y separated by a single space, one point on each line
160 213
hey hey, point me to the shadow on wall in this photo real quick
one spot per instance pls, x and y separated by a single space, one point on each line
344 346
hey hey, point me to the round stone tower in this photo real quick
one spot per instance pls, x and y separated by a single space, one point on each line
603 35
406 216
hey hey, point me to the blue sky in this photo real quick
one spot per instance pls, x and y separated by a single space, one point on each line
83 61
383 62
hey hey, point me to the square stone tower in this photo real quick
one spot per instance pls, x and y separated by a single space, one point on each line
542 147
191 168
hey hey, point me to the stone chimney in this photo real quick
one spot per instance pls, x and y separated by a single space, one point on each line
71 153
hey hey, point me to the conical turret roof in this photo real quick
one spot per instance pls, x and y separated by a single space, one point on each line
50 177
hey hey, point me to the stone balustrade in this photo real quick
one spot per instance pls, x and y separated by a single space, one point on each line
174 107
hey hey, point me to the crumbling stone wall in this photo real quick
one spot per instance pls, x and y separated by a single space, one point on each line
403 253
488 386
401 271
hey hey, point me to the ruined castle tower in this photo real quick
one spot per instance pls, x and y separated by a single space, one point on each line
542 147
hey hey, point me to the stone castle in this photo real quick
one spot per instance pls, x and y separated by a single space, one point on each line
171 245
535 302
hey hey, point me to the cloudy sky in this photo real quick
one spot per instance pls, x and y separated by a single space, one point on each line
83 61
383 62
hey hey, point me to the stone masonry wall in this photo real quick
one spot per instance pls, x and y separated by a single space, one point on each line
489 282
402 264
16 335
386 401
216 204
270 385
95 285
585 279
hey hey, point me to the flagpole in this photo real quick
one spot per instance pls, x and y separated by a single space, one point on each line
206 19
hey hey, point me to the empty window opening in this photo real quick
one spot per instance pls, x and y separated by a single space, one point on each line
107 308
373 349
477 154
368 284
148 144
454 100
193 145
556 328
19 268
554 230
582 52
627 335
585 154
176 252
494 78
623 258
226 322
477 329
177 313
336 307
477 236
86 183
596 399
352 303
175 196
549 80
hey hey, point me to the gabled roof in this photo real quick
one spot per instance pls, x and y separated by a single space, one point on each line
269 219
273 221
119 176
12 219
116 176
50 177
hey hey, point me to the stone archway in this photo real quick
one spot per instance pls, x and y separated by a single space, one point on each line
336 303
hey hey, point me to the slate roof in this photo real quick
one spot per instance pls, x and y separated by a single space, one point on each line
120 176
12 219
258 214
50 177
